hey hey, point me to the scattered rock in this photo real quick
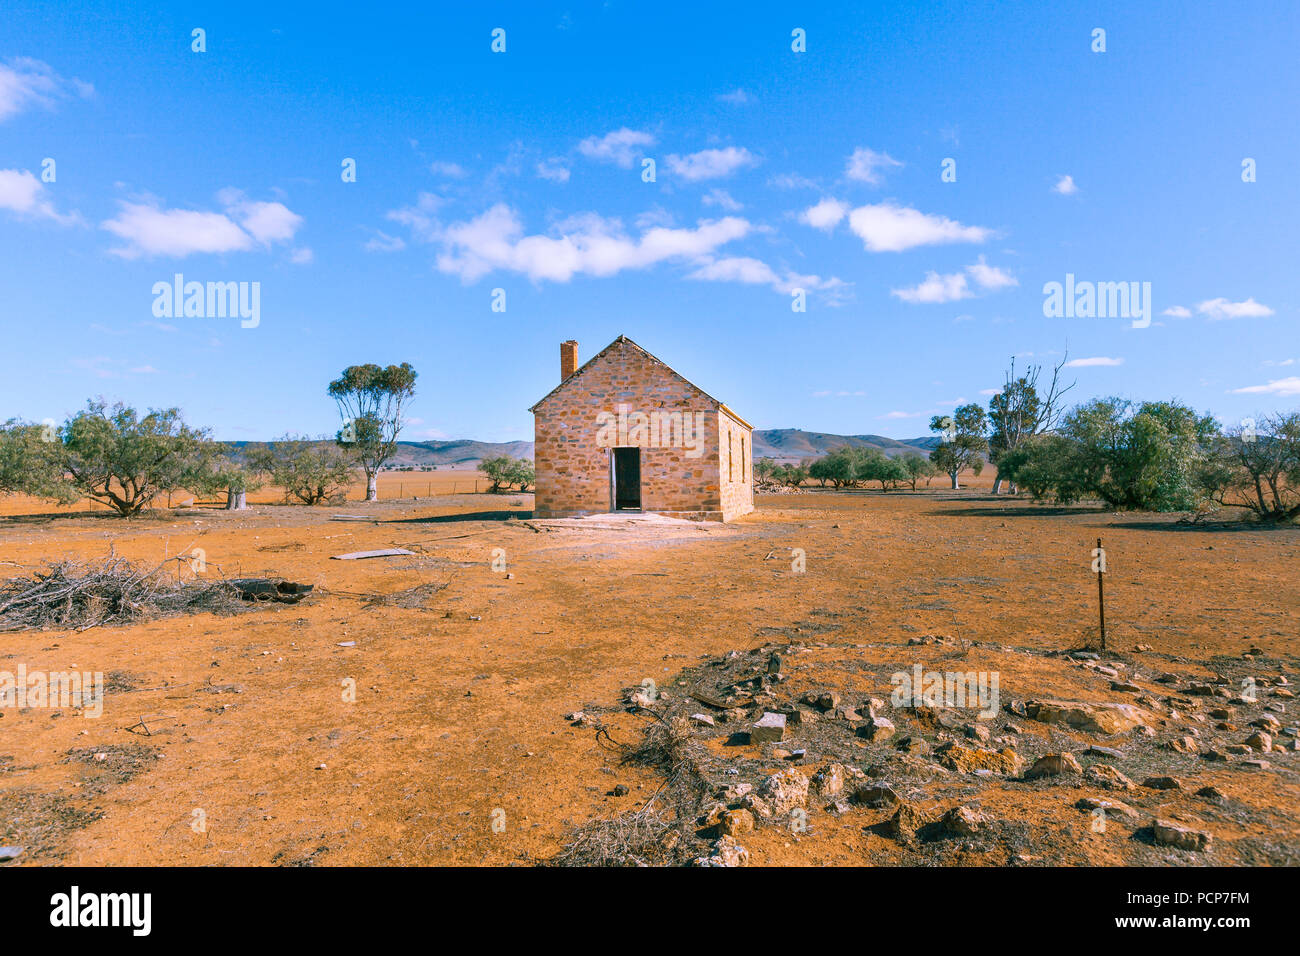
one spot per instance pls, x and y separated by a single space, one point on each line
1163 783
784 790
963 821
828 701
876 796
726 852
876 729
829 780
703 719
1096 751
1213 794
736 822
907 820
802 717
1108 806
1183 745
1105 719
1107 777
1184 838
1053 765
1260 741
770 727
969 759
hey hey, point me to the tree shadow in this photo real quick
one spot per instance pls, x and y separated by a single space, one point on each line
463 517
45 517
1021 511
1216 527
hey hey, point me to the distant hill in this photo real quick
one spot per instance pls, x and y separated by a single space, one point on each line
782 444
794 444
460 453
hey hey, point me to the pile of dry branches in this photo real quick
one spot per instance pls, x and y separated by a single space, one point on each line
78 596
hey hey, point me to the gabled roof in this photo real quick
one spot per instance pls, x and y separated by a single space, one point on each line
624 340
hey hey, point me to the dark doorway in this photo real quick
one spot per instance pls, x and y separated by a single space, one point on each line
627 479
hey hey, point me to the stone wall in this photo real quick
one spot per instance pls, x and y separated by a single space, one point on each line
735 442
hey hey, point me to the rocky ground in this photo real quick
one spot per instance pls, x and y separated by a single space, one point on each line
787 738
235 740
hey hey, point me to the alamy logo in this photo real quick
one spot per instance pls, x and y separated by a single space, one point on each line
1098 300
656 429
208 300
75 908
53 689
922 688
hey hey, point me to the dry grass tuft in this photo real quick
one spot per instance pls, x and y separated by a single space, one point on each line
79 595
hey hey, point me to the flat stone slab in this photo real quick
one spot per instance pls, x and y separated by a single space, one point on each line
359 555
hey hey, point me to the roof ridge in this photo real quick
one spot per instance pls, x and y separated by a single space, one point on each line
623 338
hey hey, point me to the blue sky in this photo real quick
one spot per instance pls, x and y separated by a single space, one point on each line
522 171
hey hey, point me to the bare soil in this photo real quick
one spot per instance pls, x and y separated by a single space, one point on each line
231 740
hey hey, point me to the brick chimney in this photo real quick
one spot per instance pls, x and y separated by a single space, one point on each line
568 358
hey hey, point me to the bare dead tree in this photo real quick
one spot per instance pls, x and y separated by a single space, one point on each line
1021 410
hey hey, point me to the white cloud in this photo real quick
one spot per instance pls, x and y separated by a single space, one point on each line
935 289
25 83
756 272
710 163
585 245
1065 186
938 288
722 199
890 228
421 218
383 242
267 222
825 215
554 170
1178 312
1099 361
620 147
865 165
1216 309
302 257
1285 387
150 230
26 196
1283 363
990 277
791 181
990 391
736 269
736 97
447 170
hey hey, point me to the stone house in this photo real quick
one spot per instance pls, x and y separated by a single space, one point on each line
625 433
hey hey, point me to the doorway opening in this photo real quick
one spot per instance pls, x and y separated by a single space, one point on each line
626 479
